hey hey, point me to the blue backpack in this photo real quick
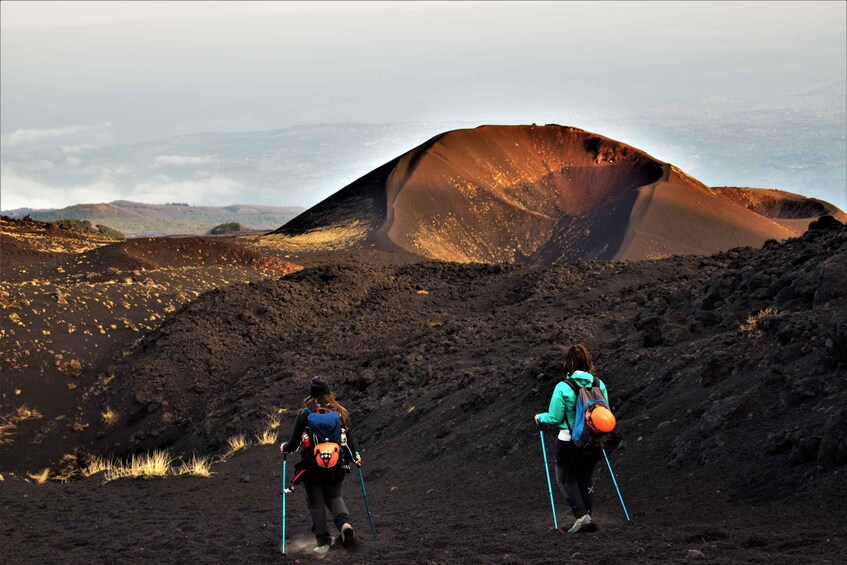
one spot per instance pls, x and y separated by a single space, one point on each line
326 435
588 399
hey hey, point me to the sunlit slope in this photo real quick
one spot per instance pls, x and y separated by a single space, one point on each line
541 194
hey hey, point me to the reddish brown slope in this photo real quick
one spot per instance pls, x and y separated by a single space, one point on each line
793 211
541 194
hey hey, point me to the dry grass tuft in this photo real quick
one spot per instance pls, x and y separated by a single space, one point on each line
9 422
6 429
96 465
196 467
147 466
39 477
751 328
331 238
110 417
267 437
234 445
273 422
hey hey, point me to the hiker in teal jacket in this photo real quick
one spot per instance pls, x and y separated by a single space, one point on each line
574 465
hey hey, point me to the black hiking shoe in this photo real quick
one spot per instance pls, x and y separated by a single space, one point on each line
348 537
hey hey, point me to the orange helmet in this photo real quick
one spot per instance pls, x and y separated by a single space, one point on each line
600 419
327 454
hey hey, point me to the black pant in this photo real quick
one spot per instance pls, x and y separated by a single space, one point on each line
321 495
574 470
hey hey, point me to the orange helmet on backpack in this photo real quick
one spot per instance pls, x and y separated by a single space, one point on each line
600 419
327 454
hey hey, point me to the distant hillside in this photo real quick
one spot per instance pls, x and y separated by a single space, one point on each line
135 219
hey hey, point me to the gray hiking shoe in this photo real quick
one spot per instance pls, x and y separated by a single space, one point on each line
322 549
581 523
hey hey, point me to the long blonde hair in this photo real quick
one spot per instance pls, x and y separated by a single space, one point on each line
327 401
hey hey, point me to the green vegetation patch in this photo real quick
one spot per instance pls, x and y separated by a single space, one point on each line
110 232
227 227
87 227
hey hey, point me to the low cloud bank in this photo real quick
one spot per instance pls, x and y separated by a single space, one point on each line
29 136
183 160
22 191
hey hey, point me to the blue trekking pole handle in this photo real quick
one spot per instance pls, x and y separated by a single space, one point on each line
547 472
365 496
615 482
284 472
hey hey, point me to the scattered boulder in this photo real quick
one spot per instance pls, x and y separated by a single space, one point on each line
825 223
718 366
832 282
651 331
672 334
72 367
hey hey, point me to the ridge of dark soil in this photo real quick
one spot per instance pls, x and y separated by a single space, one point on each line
483 346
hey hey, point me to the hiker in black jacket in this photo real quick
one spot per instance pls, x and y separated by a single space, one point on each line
322 429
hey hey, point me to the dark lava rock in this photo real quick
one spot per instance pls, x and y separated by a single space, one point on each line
832 283
651 331
718 366
672 334
825 223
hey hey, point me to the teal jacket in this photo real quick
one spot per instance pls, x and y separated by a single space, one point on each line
563 402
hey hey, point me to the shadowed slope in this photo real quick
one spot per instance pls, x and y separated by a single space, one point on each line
538 194
794 211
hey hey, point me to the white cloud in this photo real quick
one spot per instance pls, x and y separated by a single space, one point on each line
74 162
27 136
76 149
35 166
183 160
21 191
213 191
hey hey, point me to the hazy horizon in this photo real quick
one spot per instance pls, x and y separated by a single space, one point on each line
710 87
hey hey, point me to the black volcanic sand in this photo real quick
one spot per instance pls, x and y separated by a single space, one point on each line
65 315
729 442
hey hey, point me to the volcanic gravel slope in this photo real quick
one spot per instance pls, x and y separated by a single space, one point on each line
70 302
544 195
731 437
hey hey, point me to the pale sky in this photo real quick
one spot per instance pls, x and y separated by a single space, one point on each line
96 73
159 68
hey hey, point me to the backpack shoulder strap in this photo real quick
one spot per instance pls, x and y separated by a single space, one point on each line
575 387
572 383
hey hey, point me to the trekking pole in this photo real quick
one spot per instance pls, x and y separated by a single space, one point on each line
284 470
365 496
547 471
615 482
